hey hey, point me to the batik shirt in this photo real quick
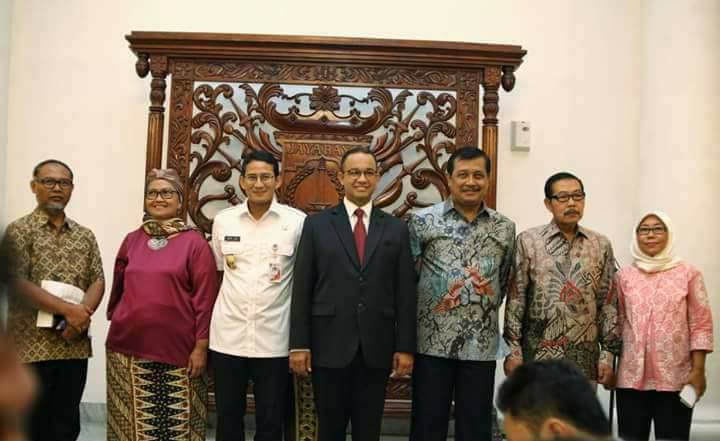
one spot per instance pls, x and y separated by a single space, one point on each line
561 304
70 255
461 323
664 316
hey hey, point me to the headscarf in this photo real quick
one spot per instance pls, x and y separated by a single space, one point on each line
168 227
662 261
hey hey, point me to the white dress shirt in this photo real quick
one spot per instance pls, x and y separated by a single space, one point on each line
351 207
251 317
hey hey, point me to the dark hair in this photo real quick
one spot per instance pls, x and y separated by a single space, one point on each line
40 165
259 155
352 151
466 153
540 390
561 176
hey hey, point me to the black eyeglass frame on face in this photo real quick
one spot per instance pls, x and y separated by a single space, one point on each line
657 230
565 197
355 173
50 183
151 195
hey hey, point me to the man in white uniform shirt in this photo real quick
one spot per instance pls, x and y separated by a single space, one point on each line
254 245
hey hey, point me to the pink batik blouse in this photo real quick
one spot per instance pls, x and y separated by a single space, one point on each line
664 316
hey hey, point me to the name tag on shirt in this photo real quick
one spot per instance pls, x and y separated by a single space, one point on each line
232 238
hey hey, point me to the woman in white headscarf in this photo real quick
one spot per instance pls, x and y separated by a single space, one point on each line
667 332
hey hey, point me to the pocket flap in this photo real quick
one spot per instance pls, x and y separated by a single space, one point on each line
286 250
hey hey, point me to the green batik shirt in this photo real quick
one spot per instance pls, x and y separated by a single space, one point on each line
454 320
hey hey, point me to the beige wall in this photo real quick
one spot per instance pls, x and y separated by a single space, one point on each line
580 86
5 32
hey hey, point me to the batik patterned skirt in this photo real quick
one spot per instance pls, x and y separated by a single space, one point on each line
149 401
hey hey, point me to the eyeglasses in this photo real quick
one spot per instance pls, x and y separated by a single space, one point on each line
265 179
355 173
50 183
151 195
564 197
656 230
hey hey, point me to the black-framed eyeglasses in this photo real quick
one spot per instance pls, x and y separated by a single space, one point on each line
354 173
151 195
264 178
656 230
50 183
564 197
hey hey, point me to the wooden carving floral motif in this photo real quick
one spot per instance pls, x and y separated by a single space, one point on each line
306 100
215 125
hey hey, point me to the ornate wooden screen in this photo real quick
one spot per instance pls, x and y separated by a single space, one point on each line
308 99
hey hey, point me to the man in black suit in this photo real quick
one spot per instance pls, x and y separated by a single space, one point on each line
352 318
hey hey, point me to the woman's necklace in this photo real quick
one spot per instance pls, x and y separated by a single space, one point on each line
157 243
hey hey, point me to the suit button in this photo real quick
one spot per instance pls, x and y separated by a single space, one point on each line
361 279
361 307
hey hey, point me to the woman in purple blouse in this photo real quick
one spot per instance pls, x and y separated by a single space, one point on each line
163 292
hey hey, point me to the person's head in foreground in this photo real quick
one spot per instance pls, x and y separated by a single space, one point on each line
551 400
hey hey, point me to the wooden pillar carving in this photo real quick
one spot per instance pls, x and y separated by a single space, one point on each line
491 84
158 67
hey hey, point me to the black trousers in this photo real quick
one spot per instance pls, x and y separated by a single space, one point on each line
356 394
636 409
436 381
55 415
270 378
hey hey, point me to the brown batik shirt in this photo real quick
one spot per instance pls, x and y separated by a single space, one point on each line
70 255
561 305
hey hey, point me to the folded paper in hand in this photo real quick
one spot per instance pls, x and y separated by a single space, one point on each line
65 291
688 396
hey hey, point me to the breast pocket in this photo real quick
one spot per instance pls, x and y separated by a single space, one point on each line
286 251
236 254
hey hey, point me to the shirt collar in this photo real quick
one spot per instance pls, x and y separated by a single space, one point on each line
449 206
40 217
553 230
245 211
351 207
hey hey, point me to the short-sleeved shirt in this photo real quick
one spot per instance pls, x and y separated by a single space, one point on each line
70 255
561 305
461 324
251 317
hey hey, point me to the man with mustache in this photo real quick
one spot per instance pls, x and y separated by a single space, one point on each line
464 254
561 304
50 247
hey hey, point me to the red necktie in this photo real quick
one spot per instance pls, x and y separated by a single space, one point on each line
360 234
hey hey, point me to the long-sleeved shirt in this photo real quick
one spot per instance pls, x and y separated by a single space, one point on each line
664 316
454 320
161 300
561 305
69 255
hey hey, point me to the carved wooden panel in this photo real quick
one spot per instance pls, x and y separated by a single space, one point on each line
306 100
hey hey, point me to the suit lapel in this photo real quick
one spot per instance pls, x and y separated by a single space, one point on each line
341 224
377 224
